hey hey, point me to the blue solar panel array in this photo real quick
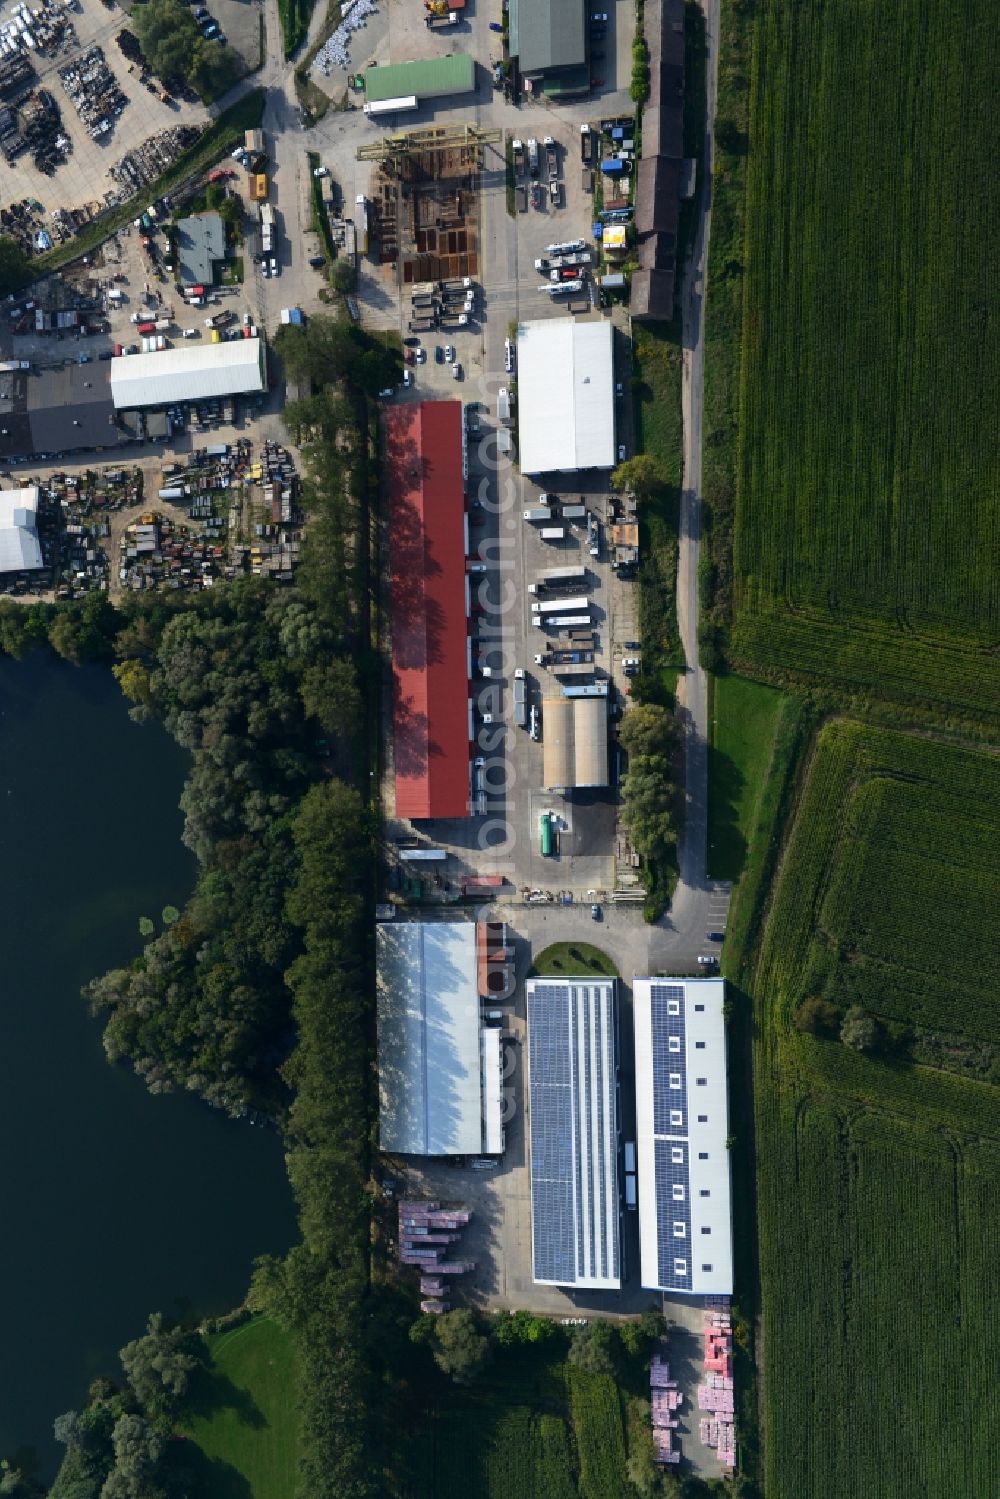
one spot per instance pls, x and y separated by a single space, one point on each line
670 1126
571 1100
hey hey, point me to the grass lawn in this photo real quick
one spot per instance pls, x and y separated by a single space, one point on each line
241 1415
564 958
744 721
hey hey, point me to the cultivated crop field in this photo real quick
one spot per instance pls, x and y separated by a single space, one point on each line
868 477
536 1429
879 1183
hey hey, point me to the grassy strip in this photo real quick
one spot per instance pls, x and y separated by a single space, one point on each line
562 958
320 222
764 837
743 721
245 115
295 16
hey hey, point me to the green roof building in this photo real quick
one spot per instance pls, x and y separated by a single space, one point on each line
433 79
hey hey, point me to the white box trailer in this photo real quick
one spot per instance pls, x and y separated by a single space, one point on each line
391 106
552 577
538 513
568 606
421 855
559 621
553 533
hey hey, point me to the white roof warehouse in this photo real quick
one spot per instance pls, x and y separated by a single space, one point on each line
439 1070
19 548
565 396
236 367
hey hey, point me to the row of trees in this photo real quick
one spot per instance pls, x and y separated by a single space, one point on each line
319 1290
649 735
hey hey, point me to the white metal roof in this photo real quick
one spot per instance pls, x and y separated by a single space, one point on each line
19 545
234 367
573 1132
428 1038
492 1090
565 395
682 1124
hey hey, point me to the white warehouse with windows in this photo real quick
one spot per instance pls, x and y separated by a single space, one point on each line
682 1125
573 1118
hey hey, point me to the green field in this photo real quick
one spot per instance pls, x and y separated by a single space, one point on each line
531 1427
879 1183
867 521
242 1415
745 720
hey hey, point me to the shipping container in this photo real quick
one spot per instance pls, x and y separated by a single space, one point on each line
574 512
553 533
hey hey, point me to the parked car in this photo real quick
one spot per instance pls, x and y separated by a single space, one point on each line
449 354
621 452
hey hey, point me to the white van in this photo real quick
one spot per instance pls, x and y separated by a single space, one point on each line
631 1200
630 1156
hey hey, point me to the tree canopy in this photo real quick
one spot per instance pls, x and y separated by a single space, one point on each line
174 47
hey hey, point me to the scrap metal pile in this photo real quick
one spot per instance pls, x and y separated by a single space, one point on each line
138 168
335 51
45 28
95 92
36 126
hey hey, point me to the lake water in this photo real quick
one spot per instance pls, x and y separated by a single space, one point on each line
114 1203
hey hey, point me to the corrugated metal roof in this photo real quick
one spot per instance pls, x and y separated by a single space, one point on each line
566 408
574 742
428 1038
19 546
429 625
430 79
546 34
235 367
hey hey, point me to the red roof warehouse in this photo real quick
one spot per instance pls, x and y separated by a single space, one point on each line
429 628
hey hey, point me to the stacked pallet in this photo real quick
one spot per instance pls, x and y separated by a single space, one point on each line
716 1393
665 1398
426 1233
